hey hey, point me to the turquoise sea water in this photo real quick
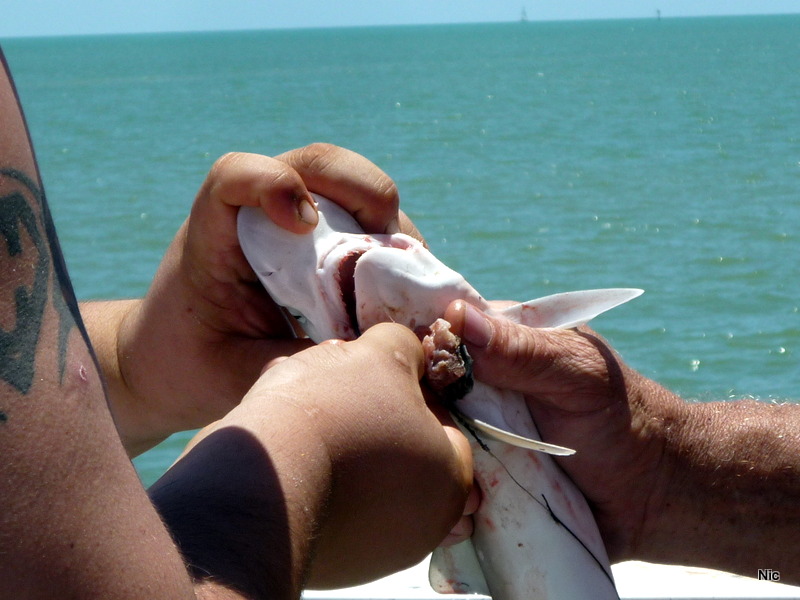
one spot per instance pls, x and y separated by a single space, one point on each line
536 158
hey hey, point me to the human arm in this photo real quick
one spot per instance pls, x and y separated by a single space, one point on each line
75 520
703 484
185 354
319 461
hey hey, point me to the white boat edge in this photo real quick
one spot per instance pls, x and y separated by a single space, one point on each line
635 581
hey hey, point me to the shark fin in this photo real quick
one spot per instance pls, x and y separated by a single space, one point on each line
568 309
501 435
456 570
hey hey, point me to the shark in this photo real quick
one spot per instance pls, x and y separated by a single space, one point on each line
534 535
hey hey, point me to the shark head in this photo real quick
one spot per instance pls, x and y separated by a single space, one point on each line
338 281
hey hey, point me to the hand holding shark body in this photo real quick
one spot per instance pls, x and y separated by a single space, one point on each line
577 386
713 484
321 475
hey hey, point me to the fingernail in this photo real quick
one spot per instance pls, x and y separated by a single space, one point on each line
307 212
477 329
393 226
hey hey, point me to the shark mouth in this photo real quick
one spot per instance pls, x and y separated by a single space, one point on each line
347 287
391 255
448 364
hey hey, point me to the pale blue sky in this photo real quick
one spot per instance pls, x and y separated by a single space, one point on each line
57 17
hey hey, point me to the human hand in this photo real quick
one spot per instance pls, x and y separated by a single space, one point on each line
196 343
369 474
583 396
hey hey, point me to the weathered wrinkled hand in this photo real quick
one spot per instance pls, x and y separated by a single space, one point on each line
581 395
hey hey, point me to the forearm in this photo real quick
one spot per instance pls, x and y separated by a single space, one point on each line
134 418
244 503
733 491
163 372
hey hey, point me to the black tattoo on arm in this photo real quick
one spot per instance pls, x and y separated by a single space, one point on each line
18 346
29 238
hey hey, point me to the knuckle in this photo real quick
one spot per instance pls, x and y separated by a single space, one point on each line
405 347
280 178
386 191
223 163
216 174
520 350
317 156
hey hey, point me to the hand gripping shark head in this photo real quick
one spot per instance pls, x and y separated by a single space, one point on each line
339 281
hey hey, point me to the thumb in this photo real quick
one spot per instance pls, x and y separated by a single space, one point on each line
405 348
507 355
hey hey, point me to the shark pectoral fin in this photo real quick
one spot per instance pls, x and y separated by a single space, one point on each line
568 309
502 435
456 570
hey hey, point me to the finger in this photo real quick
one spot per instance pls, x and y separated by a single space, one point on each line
462 449
406 348
506 355
473 501
461 532
352 181
241 179
390 339
464 322
407 226
465 526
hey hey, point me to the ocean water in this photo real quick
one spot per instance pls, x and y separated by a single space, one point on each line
535 157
